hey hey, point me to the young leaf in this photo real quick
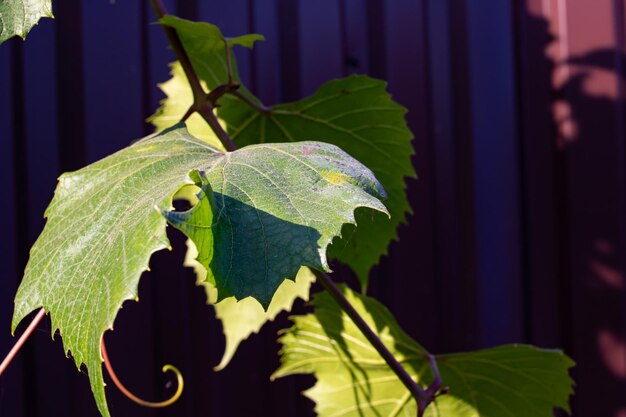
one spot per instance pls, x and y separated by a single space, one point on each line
353 380
17 17
205 37
206 46
242 318
106 220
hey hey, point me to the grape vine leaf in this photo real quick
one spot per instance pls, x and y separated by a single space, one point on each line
17 17
355 113
106 220
278 210
358 115
354 381
242 318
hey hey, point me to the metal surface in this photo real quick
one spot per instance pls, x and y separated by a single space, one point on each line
518 232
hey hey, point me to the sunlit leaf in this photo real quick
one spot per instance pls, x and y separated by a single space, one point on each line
354 381
107 219
17 17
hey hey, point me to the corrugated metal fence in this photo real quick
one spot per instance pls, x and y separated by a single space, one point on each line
518 233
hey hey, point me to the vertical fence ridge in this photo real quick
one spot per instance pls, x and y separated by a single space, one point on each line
289 41
70 81
20 202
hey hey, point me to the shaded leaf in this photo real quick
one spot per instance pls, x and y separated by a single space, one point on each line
105 221
278 206
17 17
358 115
353 380
355 113
242 318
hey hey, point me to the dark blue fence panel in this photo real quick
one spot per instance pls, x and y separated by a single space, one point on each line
320 44
496 171
405 66
265 67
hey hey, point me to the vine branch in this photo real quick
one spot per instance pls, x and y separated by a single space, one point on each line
200 102
423 397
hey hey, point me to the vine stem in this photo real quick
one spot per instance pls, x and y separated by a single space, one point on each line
204 104
20 342
200 102
423 397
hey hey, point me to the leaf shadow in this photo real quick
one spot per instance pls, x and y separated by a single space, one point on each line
250 252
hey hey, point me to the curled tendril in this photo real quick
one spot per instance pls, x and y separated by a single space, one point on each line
134 398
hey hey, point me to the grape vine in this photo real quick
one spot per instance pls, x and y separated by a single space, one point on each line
274 192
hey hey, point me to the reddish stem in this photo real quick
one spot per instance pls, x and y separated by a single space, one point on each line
20 342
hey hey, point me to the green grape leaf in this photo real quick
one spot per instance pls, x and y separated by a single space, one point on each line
106 220
17 17
355 113
358 115
206 37
242 318
279 207
354 381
